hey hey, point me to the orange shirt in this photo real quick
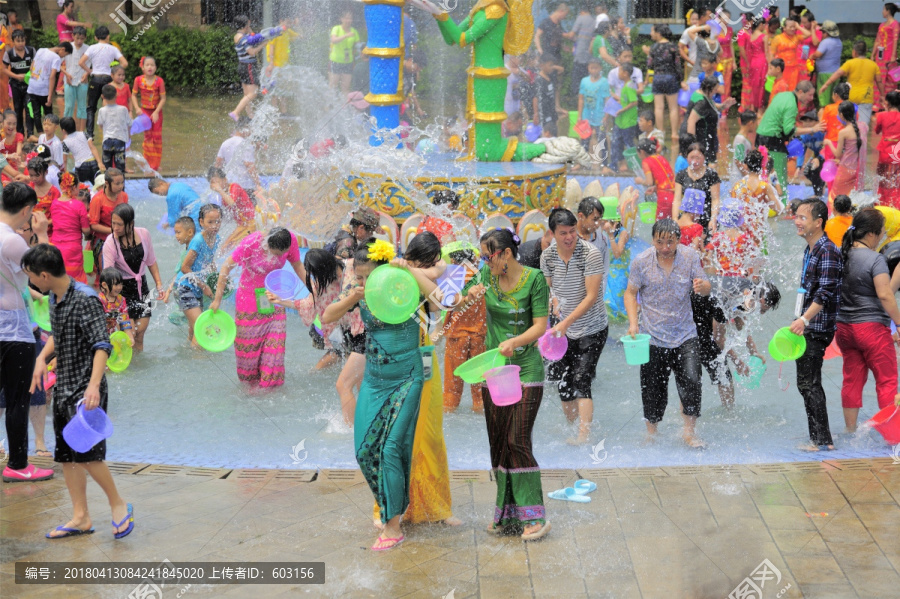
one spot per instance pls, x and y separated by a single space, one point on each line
468 322
149 94
832 125
786 48
100 212
780 86
837 226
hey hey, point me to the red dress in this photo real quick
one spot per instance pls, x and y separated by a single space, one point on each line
884 55
9 149
44 203
123 96
664 179
242 211
888 125
690 233
149 96
755 81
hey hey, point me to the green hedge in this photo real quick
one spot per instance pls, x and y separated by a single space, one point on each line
188 59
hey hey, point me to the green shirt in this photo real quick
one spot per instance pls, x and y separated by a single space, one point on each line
511 314
598 43
342 52
780 118
629 118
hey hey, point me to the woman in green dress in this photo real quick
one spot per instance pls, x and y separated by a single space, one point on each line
517 299
388 404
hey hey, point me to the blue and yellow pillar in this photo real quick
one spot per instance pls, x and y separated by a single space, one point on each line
384 22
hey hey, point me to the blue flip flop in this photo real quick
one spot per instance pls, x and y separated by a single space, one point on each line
568 494
70 532
583 487
130 519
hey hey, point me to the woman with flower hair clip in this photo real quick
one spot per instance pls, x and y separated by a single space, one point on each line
70 226
149 95
387 408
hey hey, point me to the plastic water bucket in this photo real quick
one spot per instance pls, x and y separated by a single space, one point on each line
120 357
88 257
637 350
829 171
786 346
42 313
215 331
583 129
504 384
694 201
392 294
283 283
714 28
757 370
833 351
573 120
634 161
532 132
87 428
887 422
610 208
552 347
647 210
140 124
647 96
472 370
795 149
684 98
895 74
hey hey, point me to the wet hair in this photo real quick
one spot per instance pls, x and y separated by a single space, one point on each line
817 208
893 98
561 216
847 110
747 117
709 85
126 213
842 90
102 32
870 220
694 147
17 196
361 254
663 31
241 21
50 118
66 123
18 34
111 173
108 92
206 209
110 277
754 161
771 294
778 63
215 172
888 6
445 196
587 206
648 115
155 183
279 239
79 31
793 205
860 47
187 222
37 166
44 258
321 267
666 227
648 145
843 204
498 240
67 46
424 248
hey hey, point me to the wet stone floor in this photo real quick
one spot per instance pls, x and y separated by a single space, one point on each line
805 529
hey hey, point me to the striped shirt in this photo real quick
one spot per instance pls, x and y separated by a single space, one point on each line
567 282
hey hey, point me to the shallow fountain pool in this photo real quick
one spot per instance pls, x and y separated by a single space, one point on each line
177 406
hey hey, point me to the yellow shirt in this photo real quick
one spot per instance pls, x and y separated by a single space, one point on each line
278 51
342 52
891 224
861 73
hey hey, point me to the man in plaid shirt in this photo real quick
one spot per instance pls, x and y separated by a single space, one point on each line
820 283
82 346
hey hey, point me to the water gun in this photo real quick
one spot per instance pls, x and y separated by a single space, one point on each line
265 35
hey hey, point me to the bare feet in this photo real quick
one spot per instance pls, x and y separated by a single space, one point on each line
581 439
452 521
694 441
810 447
329 359
531 529
43 453
378 525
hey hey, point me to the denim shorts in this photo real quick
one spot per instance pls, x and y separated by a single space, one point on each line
187 297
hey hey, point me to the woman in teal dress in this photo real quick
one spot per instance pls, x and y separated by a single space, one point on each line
517 299
388 404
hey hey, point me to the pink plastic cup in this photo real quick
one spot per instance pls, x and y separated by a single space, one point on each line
504 385
552 347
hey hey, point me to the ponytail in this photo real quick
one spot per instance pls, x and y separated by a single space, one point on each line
870 220
847 110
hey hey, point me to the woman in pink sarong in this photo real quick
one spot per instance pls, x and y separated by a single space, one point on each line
754 82
884 51
261 327
70 225
850 151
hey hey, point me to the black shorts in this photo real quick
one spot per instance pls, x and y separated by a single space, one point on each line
249 73
666 84
63 412
135 299
354 344
713 359
341 68
578 367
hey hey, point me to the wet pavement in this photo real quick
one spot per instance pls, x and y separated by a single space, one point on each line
826 529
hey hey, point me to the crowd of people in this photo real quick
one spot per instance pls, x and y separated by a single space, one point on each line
692 291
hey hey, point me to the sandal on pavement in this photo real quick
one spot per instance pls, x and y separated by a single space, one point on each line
493 529
383 544
43 453
583 487
568 494
70 532
130 519
534 536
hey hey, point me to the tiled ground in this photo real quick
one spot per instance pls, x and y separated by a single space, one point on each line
830 529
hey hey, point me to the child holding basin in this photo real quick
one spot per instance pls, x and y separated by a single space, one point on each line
198 262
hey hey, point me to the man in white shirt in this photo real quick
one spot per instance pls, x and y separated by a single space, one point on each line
42 85
100 55
237 156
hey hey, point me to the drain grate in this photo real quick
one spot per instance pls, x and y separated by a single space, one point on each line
300 476
644 472
855 464
593 473
343 476
466 476
168 470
